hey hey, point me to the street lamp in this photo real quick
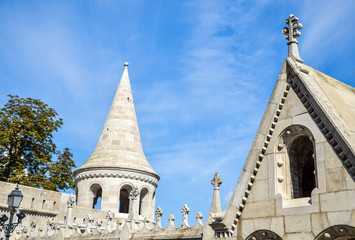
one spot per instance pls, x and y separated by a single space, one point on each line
13 201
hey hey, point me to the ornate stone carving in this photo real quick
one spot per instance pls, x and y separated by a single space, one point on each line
291 35
216 181
70 201
263 234
216 202
159 214
134 193
185 212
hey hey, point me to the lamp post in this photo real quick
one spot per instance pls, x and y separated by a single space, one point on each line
13 201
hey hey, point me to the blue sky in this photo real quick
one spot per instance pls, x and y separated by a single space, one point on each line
201 74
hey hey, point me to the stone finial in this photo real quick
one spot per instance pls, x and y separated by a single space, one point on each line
199 223
126 64
88 220
70 201
50 222
33 224
171 225
216 202
216 181
185 212
171 218
291 35
133 194
109 215
159 212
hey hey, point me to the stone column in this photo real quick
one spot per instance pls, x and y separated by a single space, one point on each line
216 203
133 204
69 217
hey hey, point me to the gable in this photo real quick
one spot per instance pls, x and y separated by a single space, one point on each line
288 106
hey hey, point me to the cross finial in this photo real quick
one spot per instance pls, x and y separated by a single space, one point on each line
126 64
216 181
159 212
291 35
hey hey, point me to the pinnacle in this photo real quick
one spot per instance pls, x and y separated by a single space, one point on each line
119 145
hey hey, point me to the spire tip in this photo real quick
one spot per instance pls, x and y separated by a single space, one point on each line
126 64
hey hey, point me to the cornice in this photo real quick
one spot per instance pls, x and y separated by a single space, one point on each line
320 116
116 172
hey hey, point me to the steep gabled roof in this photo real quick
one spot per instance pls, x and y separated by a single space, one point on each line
119 145
331 105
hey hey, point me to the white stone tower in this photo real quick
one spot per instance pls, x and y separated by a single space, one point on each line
118 171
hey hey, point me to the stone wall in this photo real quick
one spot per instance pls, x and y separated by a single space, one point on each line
270 205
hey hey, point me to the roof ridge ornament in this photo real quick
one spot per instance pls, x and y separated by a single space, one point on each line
291 35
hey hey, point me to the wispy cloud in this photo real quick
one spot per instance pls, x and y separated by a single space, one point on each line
322 33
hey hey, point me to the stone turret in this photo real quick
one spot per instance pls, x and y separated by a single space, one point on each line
118 163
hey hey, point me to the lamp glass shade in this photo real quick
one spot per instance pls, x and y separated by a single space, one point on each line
14 198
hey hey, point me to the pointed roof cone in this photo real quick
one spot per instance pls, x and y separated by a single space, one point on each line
119 145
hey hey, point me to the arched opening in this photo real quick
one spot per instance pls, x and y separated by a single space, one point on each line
302 168
124 199
143 201
297 153
96 191
76 195
264 234
337 232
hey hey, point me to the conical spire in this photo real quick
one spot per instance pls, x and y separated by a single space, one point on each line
119 145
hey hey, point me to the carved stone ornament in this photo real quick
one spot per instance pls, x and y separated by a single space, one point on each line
133 194
70 201
291 35
159 212
109 216
216 181
263 235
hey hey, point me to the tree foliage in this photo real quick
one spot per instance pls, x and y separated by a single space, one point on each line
27 148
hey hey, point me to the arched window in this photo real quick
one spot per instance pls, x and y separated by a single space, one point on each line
124 199
96 191
300 151
143 201
76 195
302 168
263 234
337 232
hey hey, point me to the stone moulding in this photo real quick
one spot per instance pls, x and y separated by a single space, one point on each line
321 118
263 234
31 212
318 113
337 231
259 160
116 172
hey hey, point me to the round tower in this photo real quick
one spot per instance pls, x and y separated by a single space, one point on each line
118 171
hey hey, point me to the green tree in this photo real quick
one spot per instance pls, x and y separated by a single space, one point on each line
27 148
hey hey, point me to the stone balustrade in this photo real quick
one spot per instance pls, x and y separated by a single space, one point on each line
89 228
